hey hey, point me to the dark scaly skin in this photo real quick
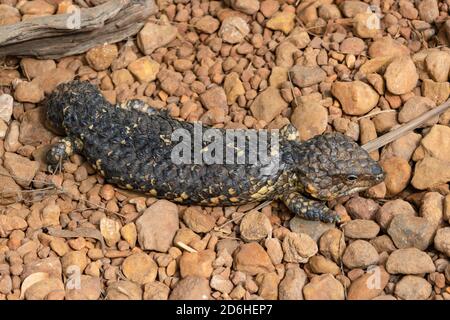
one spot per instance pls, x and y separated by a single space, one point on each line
132 149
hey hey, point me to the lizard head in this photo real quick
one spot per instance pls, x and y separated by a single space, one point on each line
332 165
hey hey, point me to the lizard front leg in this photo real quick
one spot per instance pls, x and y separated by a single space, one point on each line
308 208
63 150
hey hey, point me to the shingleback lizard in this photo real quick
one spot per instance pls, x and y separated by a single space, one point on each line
132 149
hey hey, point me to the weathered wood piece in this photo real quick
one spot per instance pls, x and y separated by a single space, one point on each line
56 36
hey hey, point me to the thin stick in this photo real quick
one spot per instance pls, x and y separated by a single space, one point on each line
340 258
221 236
292 88
175 23
374 114
219 228
405 128
258 207
262 205
185 247
51 184
60 190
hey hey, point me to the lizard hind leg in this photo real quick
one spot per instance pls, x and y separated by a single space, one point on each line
309 209
63 150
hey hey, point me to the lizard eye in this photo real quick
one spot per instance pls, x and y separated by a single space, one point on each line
352 177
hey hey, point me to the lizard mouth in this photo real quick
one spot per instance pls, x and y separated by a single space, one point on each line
334 193
368 183
354 190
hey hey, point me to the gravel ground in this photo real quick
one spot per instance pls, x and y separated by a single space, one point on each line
322 65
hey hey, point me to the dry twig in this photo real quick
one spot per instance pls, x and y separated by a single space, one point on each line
405 128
